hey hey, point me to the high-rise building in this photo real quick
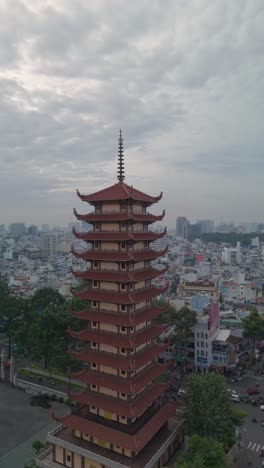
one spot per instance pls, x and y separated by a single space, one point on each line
123 418
182 225
207 225
49 244
33 230
45 228
17 229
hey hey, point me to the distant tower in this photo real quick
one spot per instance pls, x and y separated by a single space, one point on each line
123 417
182 224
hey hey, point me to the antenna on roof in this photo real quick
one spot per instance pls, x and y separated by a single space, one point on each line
120 163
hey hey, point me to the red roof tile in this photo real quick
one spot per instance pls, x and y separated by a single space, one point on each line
130 409
125 319
119 216
132 385
119 191
119 276
134 442
131 256
118 236
126 363
120 340
117 297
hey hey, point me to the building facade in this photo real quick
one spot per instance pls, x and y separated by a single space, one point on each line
123 418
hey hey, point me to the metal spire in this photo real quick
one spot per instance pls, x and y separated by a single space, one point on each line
120 163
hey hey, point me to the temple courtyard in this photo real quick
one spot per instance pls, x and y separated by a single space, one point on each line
20 425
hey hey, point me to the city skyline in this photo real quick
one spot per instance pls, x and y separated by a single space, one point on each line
183 82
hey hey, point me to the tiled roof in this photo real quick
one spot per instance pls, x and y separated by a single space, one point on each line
119 191
134 442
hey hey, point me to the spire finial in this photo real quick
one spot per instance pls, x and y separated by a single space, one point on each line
120 164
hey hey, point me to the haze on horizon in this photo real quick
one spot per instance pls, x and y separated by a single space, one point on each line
183 79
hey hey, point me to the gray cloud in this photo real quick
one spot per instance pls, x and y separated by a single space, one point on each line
184 79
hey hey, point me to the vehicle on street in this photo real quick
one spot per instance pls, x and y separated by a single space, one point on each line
262 407
253 391
181 391
235 398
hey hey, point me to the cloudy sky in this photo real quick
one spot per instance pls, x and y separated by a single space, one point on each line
184 79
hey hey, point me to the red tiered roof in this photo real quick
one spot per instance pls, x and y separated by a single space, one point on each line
118 236
120 340
134 442
119 216
134 276
130 409
119 384
117 256
118 297
104 316
126 363
119 191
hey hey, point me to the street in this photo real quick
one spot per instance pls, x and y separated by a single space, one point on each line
252 433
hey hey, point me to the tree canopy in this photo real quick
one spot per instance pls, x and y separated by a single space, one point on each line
207 408
254 325
183 321
203 452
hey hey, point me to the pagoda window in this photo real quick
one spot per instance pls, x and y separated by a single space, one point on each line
94 344
123 395
123 226
94 324
95 264
94 303
123 351
94 365
96 245
131 287
148 322
123 308
68 458
95 284
123 287
123 329
93 407
123 245
123 372
132 307
123 266
97 227
94 387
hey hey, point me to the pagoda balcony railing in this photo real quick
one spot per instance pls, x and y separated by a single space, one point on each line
112 270
122 211
123 231
125 291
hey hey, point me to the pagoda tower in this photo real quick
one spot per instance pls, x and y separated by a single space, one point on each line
123 417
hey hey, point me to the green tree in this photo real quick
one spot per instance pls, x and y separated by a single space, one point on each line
44 297
37 446
11 312
207 408
203 452
183 320
26 333
254 326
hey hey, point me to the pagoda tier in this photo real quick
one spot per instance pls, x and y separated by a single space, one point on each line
116 361
117 297
128 215
119 192
124 319
118 236
130 408
133 276
134 442
118 256
120 340
119 384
